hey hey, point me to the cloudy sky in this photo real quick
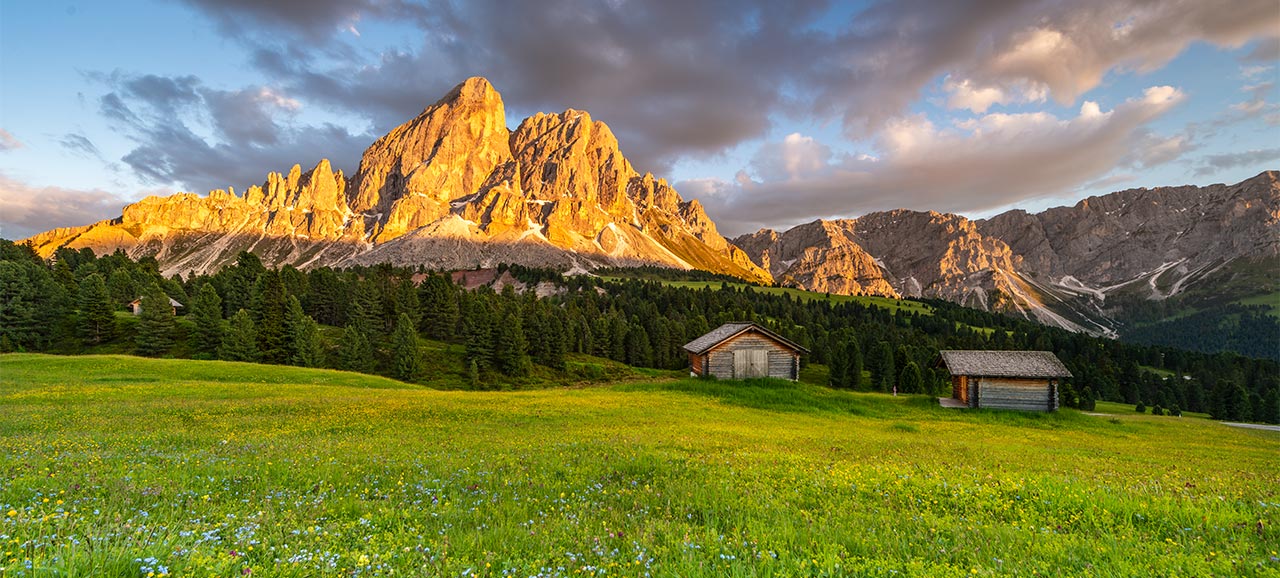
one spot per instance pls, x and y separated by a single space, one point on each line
771 113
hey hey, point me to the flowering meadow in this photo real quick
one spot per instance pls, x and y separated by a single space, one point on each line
120 466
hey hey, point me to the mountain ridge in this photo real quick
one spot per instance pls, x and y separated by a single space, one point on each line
555 191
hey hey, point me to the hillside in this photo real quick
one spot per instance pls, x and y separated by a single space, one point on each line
1127 264
686 479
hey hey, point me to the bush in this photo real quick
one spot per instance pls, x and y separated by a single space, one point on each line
1141 407
1157 410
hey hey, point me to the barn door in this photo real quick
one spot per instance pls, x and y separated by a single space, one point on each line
748 363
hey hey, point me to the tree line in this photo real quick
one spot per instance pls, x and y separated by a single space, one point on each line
374 320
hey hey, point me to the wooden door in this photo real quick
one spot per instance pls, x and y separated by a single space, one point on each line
749 363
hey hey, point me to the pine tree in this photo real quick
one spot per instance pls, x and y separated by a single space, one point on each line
240 343
639 352
438 300
510 350
366 310
405 349
303 342
206 312
97 316
155 323
357 354
407 302
883 376
910 380
121 287
269 304
478 328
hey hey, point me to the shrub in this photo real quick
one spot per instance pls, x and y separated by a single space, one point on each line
1141 407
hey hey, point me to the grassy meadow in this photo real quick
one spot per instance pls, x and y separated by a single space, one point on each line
122 466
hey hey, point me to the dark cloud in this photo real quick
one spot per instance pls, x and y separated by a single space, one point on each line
201 138
26 210
677 78
1212 164
313 19
8 142
80 145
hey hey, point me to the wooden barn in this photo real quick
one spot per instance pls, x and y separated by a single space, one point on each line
742 351
1025 380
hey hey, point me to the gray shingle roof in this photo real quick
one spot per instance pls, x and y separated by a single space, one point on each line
723 332
1004 363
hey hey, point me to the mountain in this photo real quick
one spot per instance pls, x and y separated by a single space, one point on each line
1096 266
452 188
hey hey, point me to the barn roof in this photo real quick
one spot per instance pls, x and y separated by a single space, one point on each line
1004 363
172 301
730 330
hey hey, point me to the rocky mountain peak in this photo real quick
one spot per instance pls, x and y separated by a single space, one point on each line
452 187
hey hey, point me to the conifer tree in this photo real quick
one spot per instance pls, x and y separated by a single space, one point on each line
407 302
853 364
97 316
639 352
357 354
305 347
473 374
269 302
438 300
478 328
510 350
206 312
240 343
122 287
910 380
405 351
155 323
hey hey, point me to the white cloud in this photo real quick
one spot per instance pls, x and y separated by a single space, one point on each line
971 166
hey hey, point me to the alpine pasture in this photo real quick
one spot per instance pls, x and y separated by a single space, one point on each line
202 468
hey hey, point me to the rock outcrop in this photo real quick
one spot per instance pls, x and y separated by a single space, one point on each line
452 187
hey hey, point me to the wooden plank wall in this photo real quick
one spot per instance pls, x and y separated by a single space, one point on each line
782 361
1011 393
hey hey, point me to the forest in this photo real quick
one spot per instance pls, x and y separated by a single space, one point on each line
374 320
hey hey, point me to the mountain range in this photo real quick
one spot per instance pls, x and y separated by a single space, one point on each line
455 188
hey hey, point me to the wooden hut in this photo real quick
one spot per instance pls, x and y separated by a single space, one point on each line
1025 380
742 351
136 305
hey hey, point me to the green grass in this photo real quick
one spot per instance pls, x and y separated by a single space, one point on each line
116 466
1271 300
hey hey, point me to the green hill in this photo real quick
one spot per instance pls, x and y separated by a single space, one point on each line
121 466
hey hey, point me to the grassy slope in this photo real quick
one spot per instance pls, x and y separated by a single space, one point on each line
212 468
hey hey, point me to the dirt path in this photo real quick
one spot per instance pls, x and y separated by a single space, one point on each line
1252 426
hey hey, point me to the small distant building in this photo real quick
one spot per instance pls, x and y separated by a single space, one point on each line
743 351
136 305
1024 380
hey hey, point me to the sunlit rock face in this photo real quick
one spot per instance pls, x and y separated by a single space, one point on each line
557 191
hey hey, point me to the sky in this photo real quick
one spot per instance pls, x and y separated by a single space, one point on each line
770 113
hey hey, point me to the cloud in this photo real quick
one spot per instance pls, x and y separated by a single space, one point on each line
1212 164
677 79
26 210
8 142
80 145
201 138
974 165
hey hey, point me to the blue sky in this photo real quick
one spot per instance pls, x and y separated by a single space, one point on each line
771 114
